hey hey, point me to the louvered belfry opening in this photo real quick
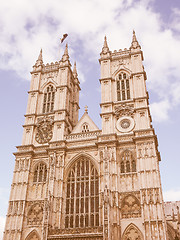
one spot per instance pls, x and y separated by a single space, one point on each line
82 195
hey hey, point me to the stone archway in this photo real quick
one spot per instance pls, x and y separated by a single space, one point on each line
33 236
132 232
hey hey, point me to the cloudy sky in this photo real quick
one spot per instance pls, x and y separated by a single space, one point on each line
27 26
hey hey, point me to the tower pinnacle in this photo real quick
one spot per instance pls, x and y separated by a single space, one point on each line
105 48
135 43
40 55
75 70
65 56
40 59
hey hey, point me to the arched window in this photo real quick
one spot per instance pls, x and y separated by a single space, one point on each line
123 89
128 163
82 196
85 127
48 104
40 173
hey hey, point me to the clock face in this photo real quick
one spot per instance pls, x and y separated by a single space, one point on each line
125 124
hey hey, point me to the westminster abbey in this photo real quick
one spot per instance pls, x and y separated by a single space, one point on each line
73 180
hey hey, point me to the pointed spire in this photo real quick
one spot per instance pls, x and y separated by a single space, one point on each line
134 39
40 59
65 56
105 42
66 50
40 55
105 48
75 70
135 43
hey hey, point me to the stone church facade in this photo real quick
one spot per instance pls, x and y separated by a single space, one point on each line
74 181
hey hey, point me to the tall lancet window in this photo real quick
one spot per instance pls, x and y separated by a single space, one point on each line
48 103
82 196
123 90
40 173
128 163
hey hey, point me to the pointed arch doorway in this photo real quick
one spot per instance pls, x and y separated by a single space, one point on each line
132 232
33 236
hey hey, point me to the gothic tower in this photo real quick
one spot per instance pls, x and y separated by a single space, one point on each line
75 181
132 176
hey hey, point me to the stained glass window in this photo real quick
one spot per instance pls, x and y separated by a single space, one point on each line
123 89
40 173
48 103
82 195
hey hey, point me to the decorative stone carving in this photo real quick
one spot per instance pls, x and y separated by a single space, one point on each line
44 130
124 110
106 203
35 214
88 230
10 208
125 124
124 114
46 210
144 196
53 160
130 207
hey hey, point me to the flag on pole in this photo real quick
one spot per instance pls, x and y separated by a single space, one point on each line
64 36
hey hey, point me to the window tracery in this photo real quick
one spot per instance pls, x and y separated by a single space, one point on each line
40 173
128 163
48 102
123 89
82 196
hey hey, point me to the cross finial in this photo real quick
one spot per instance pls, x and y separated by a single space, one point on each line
86 109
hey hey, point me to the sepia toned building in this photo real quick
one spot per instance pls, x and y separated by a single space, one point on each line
73 180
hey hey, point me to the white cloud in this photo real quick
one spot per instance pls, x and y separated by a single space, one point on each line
175 24
159 110
2 224
26 26
172 195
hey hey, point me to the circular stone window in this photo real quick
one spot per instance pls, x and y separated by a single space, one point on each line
125 124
